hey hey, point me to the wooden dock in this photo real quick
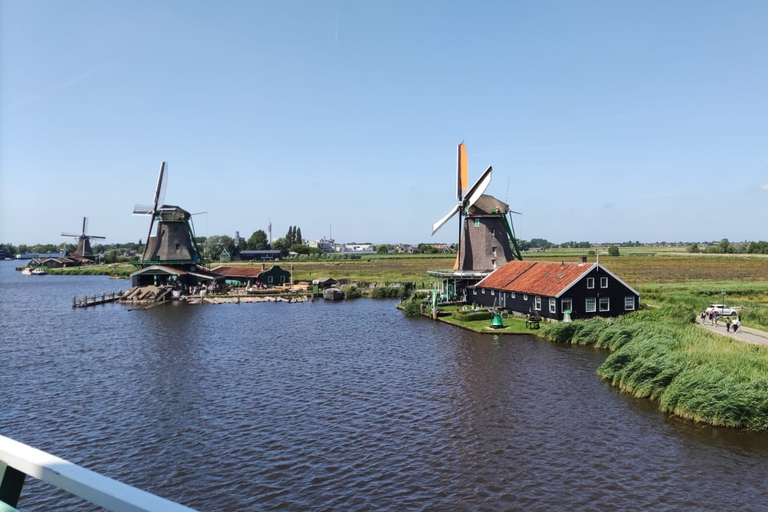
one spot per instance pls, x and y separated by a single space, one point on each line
95 300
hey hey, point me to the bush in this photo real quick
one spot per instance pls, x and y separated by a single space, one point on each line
386 292
351 291
412 308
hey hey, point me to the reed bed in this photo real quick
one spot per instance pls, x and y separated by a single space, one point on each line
691 373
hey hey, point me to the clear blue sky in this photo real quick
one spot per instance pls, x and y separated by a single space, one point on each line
603 120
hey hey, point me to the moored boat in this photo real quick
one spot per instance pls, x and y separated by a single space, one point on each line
333 293
39 272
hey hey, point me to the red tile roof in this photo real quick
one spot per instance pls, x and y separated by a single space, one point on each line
239 271
535 277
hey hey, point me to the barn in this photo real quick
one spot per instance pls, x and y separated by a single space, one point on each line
552 289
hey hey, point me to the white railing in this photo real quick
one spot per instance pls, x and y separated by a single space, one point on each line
89 485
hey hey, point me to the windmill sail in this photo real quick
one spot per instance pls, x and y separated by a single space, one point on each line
462 171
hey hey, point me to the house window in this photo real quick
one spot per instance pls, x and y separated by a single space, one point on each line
494 251
590 305
474 291
590 282
605 303
512 294
477 223
566 305
177 247
603 282
553 306
494 263
525 297
493 292
493 232
483 291
629 303
282 279
269 279
537 303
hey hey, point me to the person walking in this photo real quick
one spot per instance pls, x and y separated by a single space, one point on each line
703 316
737 324
728 324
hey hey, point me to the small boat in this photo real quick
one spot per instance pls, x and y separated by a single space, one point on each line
333 293
27 271
39 272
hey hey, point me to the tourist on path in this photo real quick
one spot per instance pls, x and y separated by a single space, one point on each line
728 325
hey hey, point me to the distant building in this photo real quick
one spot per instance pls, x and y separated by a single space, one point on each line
260 255
325 245
274 276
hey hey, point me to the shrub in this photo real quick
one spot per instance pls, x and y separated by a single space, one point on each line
472 314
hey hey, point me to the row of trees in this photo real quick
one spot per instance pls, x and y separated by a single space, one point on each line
724 246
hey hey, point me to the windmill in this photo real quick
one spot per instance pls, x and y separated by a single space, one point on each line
83 240
486 236
174 239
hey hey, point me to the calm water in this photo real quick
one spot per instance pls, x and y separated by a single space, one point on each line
341 406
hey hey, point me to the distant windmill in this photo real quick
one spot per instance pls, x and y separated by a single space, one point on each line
486 236
83 240
174 240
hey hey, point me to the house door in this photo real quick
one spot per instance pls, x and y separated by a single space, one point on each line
502 300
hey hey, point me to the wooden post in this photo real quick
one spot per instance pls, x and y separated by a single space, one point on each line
74 301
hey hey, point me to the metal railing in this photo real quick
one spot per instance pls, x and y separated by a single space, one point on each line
18 460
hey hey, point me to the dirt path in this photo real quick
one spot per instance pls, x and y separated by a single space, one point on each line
745 334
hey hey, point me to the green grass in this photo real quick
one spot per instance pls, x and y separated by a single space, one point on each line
662 355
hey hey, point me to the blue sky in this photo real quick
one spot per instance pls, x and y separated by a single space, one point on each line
603 120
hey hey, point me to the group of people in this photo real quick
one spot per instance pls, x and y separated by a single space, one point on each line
712 317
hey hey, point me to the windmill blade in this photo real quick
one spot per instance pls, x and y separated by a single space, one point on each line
85 225
70 234
462 171
437 225
142 209
94 236
162 181
478 189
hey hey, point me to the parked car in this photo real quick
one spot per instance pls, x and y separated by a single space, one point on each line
722 310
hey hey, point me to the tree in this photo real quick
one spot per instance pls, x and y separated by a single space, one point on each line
216 244
258 241
382 249
613 251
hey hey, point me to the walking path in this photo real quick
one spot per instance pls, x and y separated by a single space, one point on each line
745 334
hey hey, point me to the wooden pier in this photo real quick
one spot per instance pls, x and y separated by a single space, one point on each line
95 300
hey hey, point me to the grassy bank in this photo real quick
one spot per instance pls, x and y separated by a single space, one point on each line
662 355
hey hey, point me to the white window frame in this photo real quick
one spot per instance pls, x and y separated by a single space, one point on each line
590 283
525 296
553 306
629 303
493 292
563 308
483 290
474 291
604 301
537 303
603 282
589 309
269 279
512 295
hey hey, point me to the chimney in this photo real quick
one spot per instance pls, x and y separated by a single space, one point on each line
582 259
263 266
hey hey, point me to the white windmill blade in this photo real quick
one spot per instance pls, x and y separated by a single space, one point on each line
142 209
162 181
437 225
70 234
478 189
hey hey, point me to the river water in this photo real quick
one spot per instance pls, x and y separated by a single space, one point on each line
341 406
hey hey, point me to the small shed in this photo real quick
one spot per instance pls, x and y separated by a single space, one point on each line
557 291
275 276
